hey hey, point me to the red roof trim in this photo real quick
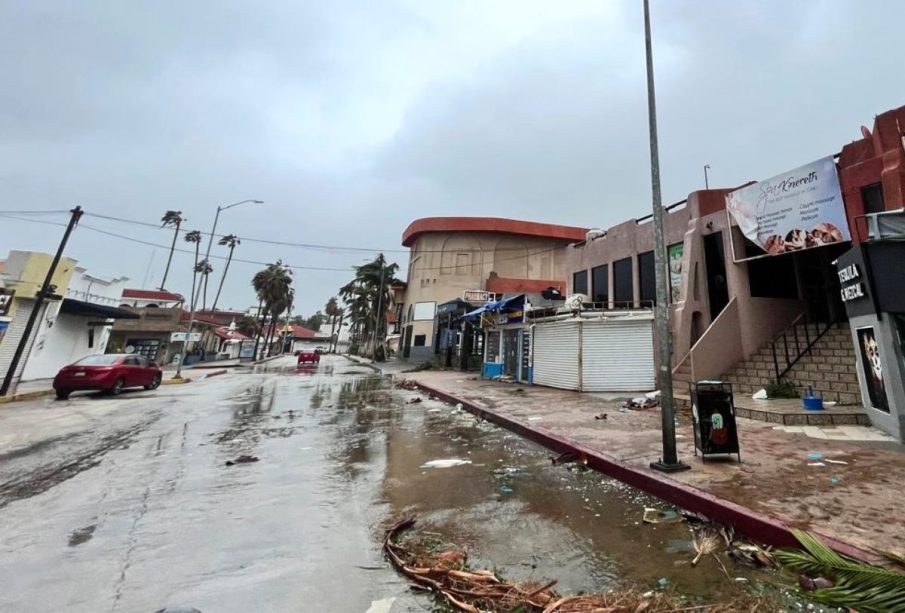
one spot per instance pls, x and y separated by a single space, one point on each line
504 285
151 294
497 225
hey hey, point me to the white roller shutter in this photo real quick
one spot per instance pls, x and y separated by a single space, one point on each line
556 355
617 356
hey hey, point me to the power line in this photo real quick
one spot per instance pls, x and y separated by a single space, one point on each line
167 247
55 212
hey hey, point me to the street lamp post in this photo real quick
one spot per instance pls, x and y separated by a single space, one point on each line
207 253
670 460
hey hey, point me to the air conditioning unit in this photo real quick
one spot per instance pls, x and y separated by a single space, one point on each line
594 233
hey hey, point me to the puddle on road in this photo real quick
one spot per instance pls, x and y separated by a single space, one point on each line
500 497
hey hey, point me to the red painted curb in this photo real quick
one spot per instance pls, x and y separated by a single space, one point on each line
762 528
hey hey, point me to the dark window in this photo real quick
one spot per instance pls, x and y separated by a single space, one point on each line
600 279
580 282
873 198
772 277
623 285
492 343
420 339
90 338
647 278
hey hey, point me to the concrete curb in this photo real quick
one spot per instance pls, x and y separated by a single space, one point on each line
25 396
265 360
182 381
763 528
216 373
367 364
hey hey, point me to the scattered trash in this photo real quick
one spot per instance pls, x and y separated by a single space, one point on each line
624 410
458 406
447 463
662 583
816 464
656 516
742 579
600 416
760 395
680 546
815 456
242 459
381 606
641 403
506 489
749 554
567 457
836 461
434 410
535 418
654 394
415 400
809 585
835 480
830 403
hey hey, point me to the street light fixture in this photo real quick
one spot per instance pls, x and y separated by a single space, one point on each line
207 254
670 460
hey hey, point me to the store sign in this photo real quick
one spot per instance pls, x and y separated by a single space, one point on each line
852 286
177 337
476 295
512 317
800 209
6 300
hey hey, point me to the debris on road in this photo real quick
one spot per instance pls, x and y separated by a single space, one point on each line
242 459
656 516
446 463
415 400
569 457
641 403
600 416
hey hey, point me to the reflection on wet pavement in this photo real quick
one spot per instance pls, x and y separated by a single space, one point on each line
165 522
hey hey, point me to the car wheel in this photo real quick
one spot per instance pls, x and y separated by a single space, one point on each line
155 383
117 387
63 394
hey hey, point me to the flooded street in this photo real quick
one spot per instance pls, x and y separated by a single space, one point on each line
141 512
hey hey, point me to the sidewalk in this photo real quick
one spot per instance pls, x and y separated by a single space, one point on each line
851 493
393 366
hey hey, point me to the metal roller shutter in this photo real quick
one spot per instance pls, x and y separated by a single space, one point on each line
14 335
618 356
556 355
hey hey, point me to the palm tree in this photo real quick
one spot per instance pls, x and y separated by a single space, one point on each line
230 240
204 269
194 237
273 288
333 311
171 219
368 299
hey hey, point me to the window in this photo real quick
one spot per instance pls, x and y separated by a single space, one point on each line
623 284
420 340
600 281
90 338
131 360
463 261
873 198
647 278
98 360
423 311
580 282
142 360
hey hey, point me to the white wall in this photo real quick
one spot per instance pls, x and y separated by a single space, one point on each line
62 343
84 287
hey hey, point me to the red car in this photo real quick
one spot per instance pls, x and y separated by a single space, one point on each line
110 372
310 357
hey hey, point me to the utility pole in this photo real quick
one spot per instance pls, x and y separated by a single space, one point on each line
379 305
670 461
42 295
706 179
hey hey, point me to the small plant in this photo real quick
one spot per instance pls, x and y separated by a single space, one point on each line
784 388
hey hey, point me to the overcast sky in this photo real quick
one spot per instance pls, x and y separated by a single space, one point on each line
351 119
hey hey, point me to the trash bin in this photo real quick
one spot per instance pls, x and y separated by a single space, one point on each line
715 430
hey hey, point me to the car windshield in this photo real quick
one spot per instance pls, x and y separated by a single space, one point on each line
98 360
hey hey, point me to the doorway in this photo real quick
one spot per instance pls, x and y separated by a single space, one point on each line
510 352
407 342
715 262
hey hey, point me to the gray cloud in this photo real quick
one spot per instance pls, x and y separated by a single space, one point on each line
351 120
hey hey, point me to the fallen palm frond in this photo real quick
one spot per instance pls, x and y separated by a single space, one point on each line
852 583
445 573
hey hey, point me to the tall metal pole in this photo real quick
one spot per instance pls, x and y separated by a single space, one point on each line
670 461
706 179
379 305
39 302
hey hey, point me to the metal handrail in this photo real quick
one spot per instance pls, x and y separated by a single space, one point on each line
813 331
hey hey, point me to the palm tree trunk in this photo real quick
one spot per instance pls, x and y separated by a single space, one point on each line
170 259
204 294
259 328
223 278
332 327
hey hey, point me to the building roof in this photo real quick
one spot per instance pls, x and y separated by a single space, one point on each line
223 332
303 332
497 225
152 294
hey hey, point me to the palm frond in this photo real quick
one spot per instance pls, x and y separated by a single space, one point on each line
857 584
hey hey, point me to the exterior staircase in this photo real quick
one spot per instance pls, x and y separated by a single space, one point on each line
830 366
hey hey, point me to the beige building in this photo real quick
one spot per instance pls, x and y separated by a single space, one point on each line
468 258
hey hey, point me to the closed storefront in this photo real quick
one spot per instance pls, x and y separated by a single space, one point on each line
595 355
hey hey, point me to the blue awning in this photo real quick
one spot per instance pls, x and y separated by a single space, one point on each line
514 303
472 315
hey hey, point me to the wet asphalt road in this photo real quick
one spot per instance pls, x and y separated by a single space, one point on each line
127 504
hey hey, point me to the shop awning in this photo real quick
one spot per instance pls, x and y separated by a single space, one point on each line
516 302
90 309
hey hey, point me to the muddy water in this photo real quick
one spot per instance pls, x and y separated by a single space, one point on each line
160 520
504 500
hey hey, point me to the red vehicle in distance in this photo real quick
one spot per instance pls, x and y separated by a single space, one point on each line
308 357
111 372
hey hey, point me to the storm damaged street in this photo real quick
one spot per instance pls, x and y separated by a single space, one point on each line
271 490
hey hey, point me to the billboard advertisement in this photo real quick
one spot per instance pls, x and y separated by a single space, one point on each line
796 210
675 254
872 365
